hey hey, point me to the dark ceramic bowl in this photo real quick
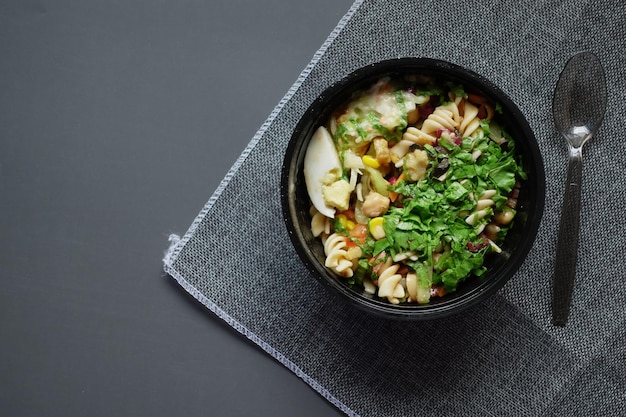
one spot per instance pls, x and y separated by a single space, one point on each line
501 267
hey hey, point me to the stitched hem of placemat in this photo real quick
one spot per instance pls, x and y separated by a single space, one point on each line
175 247
259 342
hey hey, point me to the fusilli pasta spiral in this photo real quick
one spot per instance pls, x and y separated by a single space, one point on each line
390 281
339 256
320 224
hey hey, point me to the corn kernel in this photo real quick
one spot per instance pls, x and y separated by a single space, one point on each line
343 221
370 161
376 228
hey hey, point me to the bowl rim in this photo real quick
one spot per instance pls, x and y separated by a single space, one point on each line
341 90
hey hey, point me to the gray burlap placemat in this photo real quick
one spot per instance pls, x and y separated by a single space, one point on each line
503 357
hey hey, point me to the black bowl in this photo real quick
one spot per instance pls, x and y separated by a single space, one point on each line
500 268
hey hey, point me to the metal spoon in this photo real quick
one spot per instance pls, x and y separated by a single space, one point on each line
578 108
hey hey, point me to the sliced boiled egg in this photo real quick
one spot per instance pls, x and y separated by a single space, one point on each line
321 164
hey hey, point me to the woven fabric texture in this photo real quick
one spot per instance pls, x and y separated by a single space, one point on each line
503 357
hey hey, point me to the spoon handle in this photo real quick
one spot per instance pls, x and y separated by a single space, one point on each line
567 244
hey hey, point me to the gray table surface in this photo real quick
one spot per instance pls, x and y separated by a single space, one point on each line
118 120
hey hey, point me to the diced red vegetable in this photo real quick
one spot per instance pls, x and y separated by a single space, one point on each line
437 291
481 243
359 232
394 196
349 213
426 109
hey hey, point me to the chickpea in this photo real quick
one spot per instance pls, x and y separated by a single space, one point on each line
375 204
505 216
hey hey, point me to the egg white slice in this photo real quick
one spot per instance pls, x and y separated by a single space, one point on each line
320 159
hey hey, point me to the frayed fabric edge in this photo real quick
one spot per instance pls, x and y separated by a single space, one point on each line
174 240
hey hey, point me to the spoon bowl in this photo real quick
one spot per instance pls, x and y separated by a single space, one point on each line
579 100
